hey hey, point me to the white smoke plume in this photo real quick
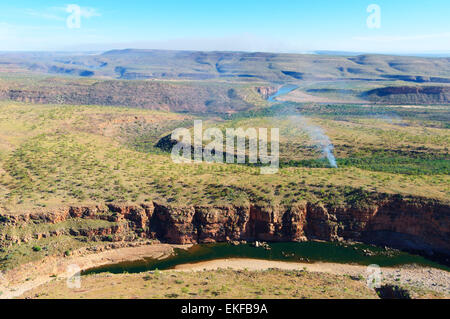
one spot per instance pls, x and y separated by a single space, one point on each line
318 137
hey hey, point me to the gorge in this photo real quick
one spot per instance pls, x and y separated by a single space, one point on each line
406 223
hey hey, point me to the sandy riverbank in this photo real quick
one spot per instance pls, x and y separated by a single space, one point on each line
412 275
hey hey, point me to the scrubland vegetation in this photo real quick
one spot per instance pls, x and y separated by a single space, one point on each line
59 155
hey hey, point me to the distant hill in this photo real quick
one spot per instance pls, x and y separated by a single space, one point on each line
219 82
242 66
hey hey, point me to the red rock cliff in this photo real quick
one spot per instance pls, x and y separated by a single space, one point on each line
418 224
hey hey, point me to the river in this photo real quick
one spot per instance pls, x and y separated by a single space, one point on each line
285 89
291 252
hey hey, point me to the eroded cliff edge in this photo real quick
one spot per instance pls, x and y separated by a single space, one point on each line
408 223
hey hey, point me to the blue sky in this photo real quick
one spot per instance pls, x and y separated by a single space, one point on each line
406 26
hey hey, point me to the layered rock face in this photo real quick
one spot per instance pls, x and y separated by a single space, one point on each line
138 94
413 224
425 226
410 95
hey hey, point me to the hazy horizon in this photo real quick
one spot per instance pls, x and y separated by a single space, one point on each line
379 27
431 54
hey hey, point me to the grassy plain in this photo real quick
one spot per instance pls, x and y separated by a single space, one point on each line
56 155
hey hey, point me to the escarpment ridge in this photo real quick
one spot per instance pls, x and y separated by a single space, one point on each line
407 223
408 94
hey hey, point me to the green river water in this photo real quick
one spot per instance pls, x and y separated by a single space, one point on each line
290 252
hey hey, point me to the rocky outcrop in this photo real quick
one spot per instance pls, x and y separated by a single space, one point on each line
266 91
410 95
417 224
